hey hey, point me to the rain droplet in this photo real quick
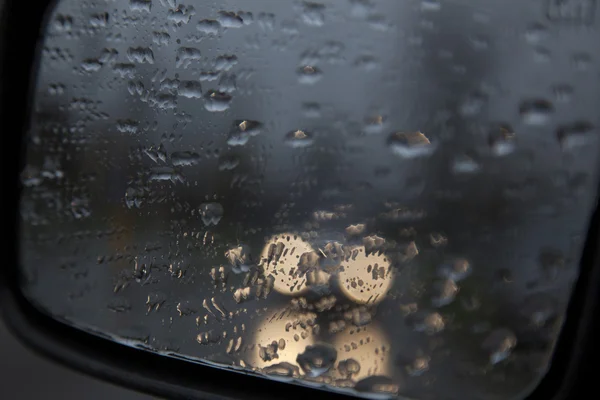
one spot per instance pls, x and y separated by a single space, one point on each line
242 131
313 14
228 163
140 55
456 270
299 138
361 8
426 322
348 367
317 359
575 135
431 5
410 145
464 165
378 384
140 5
366 63
582 61
127 126
563 93
190 89
181 15
217 101
185 56
309 75
536 111
225 62
502 140
419 366
230 20
240 258
536 33
473 104
209 27
499 344
184 158
311 110
374 125
227 83
444 293
211 213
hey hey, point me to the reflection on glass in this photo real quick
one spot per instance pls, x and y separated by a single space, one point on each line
280 258
280 337
363 352
365 278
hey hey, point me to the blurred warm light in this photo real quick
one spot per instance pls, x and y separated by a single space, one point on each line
365 278
291 330
280 258
367 345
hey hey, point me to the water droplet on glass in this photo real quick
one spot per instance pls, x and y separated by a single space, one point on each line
140 5
536 111
211 213
311 110
581 61
575 135
456 270
419 366
473 104
190 89
563 93
317 359
541 54
228 163
410 144
185 56
313 14
536 33
378 385
348 367
431 5
140 55
366 63
299 138
502 140
240 258
127 126
184 158
283 369
209 27
181 15
215 101
361 8
225 62
499 344
443 293
227 83
230 20
426 322
374 125
464 164
309 75
242 131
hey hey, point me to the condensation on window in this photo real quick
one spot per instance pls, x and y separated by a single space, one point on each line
376 197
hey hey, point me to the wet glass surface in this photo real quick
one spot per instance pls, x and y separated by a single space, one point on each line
377 197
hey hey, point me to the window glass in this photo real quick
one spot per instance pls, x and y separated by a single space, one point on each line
376 197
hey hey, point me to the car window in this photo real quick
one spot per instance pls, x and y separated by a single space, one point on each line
364 196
